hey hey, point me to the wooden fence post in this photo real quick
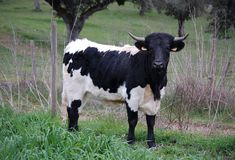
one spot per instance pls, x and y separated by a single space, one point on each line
36 5
33 74
53 67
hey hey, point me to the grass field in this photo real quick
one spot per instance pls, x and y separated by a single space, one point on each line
38 136
107 26
110 26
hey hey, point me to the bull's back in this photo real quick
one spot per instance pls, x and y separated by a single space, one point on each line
107 69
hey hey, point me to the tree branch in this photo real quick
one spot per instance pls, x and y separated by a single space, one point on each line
75 12
95 8
65 13
56 5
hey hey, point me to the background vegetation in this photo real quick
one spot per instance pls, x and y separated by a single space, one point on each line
200 94
38 136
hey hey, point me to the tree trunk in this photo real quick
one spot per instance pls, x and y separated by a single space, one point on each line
37 5
75 21
181 27
143 7
74 27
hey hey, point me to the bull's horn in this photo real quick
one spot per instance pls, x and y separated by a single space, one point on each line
181 38
136 38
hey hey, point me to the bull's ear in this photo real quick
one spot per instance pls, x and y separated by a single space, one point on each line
140 42
141 45
178 43
177 46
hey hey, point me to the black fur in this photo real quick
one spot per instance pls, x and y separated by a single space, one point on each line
107 70
150 137
67 57
73 115
132 121
111 69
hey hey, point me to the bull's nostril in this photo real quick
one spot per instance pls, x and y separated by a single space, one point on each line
158 65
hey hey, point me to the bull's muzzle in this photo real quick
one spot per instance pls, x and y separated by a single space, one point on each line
158 65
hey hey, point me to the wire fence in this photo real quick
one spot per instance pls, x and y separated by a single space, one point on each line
27 71
203 74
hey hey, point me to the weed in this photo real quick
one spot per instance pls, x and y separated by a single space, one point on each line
38 136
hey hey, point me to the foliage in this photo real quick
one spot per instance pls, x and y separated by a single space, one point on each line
184 9
143 5
38 136
27 24
181 10
75 13
222 17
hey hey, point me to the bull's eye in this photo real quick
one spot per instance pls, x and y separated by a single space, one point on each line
143 49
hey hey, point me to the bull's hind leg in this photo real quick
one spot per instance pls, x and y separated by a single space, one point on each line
73 114
132 120
150 137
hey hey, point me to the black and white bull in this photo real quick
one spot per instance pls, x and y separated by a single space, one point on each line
135 75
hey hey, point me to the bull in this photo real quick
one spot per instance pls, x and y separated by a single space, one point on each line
135 75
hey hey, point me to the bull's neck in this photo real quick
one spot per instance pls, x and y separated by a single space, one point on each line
155 79
141 70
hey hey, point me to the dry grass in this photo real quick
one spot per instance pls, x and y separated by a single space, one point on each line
24 82
203 82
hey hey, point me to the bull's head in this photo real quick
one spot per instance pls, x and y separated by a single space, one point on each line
159 46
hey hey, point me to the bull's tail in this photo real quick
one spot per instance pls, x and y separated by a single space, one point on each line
64 105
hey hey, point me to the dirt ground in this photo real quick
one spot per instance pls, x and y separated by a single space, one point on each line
119 111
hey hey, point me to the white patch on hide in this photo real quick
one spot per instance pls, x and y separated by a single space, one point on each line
148 105
81 87
163 92
136 94
129 49
81 44
142 99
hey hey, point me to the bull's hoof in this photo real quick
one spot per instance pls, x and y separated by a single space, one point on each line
72 129
131 141
151 144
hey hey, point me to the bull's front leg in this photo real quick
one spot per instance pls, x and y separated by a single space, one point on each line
150 137
132 121
73 115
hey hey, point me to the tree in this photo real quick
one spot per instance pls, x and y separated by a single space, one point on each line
182 10
222 17
75 12
37 5
144 5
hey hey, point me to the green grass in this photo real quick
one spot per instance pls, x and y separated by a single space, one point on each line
107 26
38 136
